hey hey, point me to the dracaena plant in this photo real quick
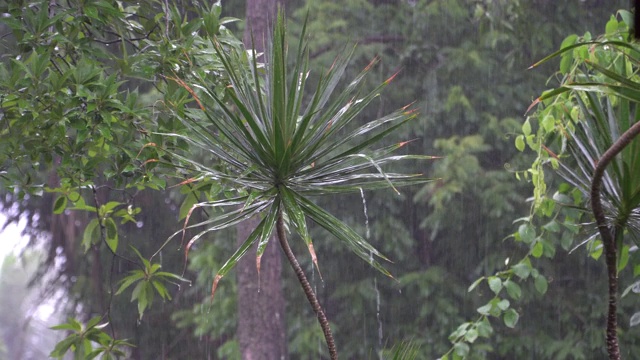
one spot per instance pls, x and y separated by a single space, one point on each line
596 112
279 148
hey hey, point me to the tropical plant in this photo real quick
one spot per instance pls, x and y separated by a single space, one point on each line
279 149
586 131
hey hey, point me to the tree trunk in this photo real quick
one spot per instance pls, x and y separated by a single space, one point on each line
261 326
261 323
609 236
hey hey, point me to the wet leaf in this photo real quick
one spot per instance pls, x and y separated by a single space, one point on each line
471 335
91 234
510 318
485 309
513 289
495 284
522 270
60 205
541 284
538 249
111 230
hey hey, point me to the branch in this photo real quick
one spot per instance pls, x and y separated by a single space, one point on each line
613 347
308 291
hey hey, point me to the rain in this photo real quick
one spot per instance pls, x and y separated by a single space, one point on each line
363 179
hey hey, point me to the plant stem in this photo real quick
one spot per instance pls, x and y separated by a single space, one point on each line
308 291
608 237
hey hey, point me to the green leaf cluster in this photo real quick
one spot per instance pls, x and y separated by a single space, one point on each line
88 341
149 282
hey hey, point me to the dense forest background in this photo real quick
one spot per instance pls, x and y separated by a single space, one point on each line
464 63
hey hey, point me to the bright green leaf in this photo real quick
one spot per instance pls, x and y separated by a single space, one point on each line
495 284
520 143
485 309
60 205
537 250
111 232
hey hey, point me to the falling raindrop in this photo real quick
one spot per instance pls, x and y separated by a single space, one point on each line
375 286
366 215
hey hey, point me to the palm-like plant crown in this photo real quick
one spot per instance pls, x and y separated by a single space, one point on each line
279 148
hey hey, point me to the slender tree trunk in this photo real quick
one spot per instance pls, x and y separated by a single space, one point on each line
306 287
261 308
609 237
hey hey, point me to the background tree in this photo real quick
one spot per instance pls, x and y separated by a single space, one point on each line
261 304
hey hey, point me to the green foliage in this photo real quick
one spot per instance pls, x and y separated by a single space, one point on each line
578 122
83 95
149 281
591 108
280 148
88 341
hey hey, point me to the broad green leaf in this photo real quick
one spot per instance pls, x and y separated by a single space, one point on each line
510 318
485 309
91 234
520 143
623 258
541 284
522 270
495 284
527 233
538 249
471 335
111 232
484 328
526 128
513 289
503 304
461 349
60 204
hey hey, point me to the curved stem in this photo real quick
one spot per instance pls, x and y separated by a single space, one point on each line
608 236
308 291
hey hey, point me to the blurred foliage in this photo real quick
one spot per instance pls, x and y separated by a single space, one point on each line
83 96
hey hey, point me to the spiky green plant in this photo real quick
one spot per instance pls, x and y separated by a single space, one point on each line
599 104
279 149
